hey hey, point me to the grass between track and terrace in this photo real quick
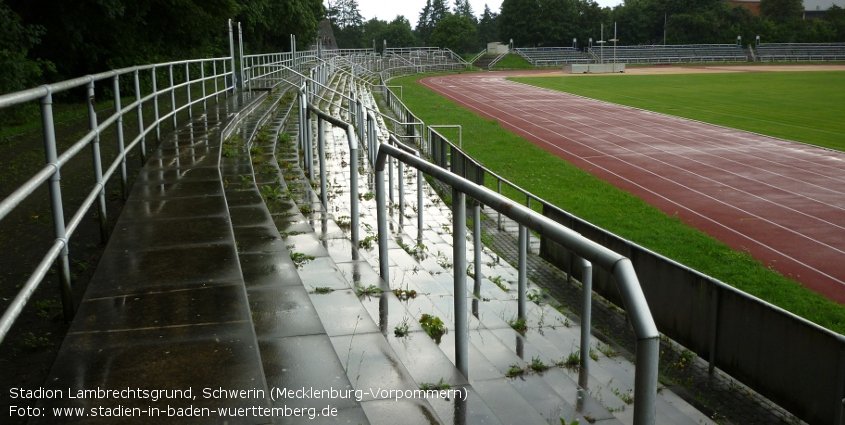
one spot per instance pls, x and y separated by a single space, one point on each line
595 200
803 106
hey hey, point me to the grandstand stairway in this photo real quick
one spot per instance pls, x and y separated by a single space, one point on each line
484 61
240 279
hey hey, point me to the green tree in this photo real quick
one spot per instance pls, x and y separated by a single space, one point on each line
487 27
17 71
347 23
424 28
463 8
781 11
398 33
457 33
518 21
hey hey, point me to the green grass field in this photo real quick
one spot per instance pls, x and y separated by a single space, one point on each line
807 107
599 202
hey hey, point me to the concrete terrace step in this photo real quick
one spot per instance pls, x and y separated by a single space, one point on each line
166 305
390 312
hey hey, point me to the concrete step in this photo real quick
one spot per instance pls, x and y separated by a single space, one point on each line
167 302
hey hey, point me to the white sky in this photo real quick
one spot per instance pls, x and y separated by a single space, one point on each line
386 10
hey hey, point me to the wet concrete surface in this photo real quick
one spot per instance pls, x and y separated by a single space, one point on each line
166 305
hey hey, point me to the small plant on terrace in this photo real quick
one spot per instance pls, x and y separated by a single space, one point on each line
369 291
255 150
299 259
441 385
402 329
519 324
537 365
433 326
323 290
270 192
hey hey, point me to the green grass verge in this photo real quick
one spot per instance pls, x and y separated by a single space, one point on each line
620 212
513 61
803 106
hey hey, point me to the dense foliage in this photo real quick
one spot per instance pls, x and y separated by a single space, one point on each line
54 40
540 23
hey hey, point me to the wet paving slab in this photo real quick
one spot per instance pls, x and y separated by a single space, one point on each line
167 302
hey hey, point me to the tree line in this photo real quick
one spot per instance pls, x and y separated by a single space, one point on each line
52 40
555 23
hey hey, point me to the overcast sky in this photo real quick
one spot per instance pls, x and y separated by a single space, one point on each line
386 10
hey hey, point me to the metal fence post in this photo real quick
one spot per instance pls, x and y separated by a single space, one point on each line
188 88
241 50
390 178
232 56
202 82
586 320
155 107
499 224
120 147
309 147
401 171
51 155
420 202
172 96
98 164
214 71
140 111
321 153
522 279
460 289
353 183
381 215
476 233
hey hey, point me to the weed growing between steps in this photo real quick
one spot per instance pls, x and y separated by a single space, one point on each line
433 326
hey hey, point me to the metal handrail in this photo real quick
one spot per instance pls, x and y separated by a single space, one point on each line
648 345
50 173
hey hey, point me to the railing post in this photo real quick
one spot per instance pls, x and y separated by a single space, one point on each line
214 72
140 110
522 279
188 87
202 82
309 147
381 215
56 203
155 107
172 96
353 183
420 206
476 233
460 289
321 153
390 178
98 164
586 320
232 58
401 170
121 151
499 191
241 50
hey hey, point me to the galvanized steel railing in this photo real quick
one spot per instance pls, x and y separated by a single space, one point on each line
199 72
648 344
590 252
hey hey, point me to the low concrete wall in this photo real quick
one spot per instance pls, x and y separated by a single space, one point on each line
594 68
793 362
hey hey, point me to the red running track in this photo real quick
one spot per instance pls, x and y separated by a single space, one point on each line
782 201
